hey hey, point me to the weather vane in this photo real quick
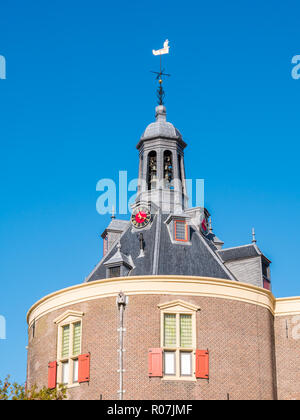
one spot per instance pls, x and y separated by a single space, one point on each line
160 90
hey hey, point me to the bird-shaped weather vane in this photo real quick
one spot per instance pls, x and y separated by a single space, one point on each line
160 74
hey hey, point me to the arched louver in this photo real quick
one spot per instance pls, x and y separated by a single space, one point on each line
152 170
168 169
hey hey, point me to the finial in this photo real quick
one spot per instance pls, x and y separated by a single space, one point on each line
113 213
160 113
253 236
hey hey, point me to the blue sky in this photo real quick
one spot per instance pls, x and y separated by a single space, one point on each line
79 94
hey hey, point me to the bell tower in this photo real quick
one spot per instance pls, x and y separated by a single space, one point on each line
161 165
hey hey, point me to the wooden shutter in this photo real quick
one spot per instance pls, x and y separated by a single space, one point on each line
155 362
202 364
84 368
52 371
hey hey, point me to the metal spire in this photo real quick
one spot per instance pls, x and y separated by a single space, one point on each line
160 90
113 213
253 236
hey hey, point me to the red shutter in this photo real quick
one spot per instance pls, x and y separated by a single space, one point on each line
155 362
202 364
84 368
52 369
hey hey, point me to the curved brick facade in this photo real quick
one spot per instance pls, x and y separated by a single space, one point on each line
238 334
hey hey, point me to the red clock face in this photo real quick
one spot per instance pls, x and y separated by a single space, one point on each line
140 217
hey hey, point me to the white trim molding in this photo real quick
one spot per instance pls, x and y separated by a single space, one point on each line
152 285
179 306
287 306
68 317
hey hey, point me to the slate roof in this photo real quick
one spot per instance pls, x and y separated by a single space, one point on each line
161 129
239 252
118 257
117 225
162 256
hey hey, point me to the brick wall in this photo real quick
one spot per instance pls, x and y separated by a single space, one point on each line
287 340
239 337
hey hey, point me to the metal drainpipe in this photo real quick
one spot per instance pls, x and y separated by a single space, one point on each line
121 302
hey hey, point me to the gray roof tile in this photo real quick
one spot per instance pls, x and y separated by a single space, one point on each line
239 252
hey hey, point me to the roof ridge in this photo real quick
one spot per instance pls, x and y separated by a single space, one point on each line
234 247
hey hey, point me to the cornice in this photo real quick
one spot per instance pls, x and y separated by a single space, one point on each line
161 285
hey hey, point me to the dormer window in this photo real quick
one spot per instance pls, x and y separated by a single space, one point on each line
180 230
115 271
119 265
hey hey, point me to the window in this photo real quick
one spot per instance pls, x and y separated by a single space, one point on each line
69 351
266 275
115 271
69 347
266 270
169 363
75 371
181 230
178 337
65 373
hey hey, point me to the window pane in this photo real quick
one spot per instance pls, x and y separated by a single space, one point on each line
65 341
185 363
180 229
65 373
76 338
115 272
170 330
169 365
186 331
75 370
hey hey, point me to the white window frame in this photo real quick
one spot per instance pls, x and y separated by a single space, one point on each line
178 308
68 318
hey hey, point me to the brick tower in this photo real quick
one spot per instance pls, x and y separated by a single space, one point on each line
167 313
